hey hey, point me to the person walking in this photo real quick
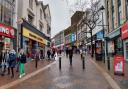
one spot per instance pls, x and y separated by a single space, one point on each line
70 55
18 61
37 57
6 61
53 54
67 52
48 54
3 58
22 61
12 62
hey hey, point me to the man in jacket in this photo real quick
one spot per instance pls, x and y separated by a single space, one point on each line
70 55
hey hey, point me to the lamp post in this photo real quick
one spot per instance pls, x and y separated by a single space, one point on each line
105 41
101 9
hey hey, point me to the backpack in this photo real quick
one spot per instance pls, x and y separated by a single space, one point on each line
23 58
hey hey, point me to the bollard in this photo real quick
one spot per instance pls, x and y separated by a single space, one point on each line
60 63
83 61
108 63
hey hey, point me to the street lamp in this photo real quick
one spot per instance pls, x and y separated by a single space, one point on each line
108 60
101 9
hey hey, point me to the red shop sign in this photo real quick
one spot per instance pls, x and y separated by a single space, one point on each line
6 31
124 31
118 64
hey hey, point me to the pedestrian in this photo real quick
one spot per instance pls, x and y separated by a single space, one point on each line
70 55
22 61
67 50
37 57
3 58
12 62
53 54
18 61
48 54
6 60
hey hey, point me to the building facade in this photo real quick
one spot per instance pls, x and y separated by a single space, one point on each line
58 40
34 26
116 18
8 27
71 32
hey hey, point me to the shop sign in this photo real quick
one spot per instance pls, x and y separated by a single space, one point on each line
124 31
73 37
118 64
33 36
6 31
99 35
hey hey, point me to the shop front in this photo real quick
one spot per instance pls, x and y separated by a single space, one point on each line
7 37
124 36
31 42
114 43
99 46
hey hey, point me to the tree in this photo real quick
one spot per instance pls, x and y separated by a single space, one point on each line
90 18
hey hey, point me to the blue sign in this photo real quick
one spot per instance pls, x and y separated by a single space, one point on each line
99 35
73 37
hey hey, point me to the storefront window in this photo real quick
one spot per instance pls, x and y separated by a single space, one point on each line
126 50
7 11
118 46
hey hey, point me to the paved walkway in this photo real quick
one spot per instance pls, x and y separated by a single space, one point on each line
29 68
121 80
68 78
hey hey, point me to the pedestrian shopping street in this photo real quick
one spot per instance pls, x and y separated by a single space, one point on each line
63 44
68 77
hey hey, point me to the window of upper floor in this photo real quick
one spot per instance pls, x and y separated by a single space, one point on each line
41 27
41 14
7 8
30 19
127 9
31 4
113 14
119 13
48 30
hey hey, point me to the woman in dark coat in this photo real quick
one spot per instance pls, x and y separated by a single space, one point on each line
37 57
70 52
12 62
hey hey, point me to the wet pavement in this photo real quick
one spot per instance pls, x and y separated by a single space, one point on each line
122 81
29 68
68 77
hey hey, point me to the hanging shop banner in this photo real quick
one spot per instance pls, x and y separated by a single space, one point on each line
124 31
118 64
33 36
6 31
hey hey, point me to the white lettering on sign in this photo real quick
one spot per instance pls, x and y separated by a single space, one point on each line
125 31
6 30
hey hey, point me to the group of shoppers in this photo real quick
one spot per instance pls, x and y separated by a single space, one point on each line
51 54
9 60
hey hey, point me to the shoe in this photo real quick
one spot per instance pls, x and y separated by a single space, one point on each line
20 76
23 74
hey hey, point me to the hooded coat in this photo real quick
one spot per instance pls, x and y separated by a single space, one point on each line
12 58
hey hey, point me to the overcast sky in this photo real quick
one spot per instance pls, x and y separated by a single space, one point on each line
60 14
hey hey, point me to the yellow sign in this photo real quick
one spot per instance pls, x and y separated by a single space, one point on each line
33 36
